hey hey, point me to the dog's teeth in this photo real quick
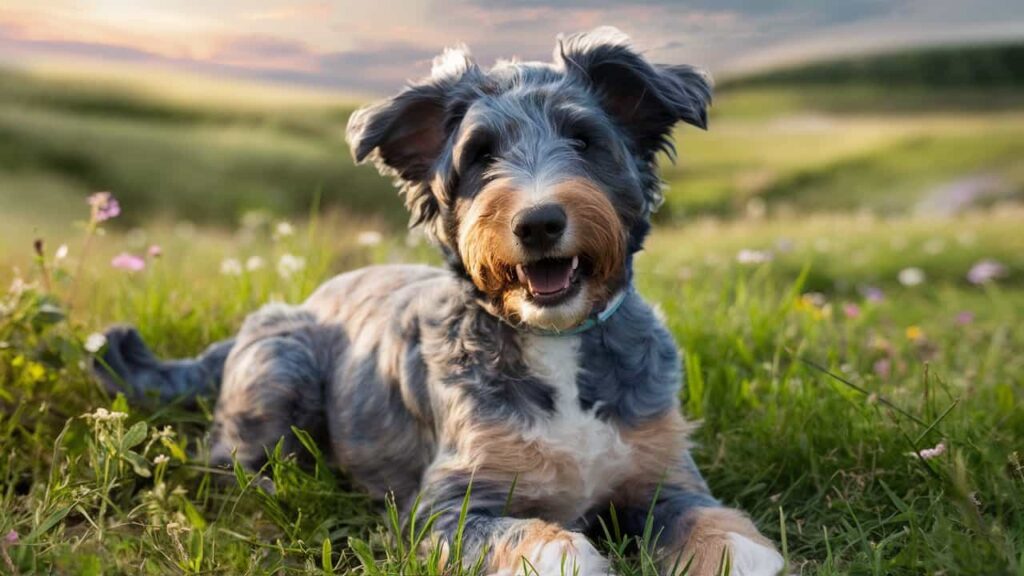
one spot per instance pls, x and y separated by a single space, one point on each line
575 262
521 274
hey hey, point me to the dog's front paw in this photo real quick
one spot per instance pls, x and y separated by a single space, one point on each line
574 555
548 552
750 558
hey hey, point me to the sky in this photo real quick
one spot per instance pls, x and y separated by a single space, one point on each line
376 46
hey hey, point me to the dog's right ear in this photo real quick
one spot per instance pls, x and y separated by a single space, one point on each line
405 134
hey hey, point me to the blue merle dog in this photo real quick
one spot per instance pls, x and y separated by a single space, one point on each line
528 368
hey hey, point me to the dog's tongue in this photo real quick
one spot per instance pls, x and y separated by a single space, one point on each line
549 275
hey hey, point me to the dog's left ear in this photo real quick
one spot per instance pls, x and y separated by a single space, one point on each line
405 134
645 99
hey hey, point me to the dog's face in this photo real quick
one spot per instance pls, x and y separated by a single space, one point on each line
538 180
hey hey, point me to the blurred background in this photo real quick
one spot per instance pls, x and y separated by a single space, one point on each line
207 114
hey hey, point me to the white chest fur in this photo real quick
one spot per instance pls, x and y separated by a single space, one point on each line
599 455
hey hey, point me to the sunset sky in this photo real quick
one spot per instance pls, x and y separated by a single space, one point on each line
375 46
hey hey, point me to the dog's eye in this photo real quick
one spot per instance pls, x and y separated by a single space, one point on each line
482 155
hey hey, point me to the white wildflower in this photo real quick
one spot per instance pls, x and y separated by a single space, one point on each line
284 229
289 264
231 267
95 342
18 286
161 459
369 238
61 253
104 415
747 256
911 276
254 263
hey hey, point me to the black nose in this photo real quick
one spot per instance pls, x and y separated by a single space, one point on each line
540 227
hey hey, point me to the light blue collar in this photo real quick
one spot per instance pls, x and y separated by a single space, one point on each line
596 320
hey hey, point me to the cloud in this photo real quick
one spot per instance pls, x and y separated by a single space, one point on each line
378 46
262 51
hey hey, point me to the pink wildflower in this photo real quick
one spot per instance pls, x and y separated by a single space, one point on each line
883 368
129 262
964 318
986 271
104 206
930 453
155 251
11 538
851 310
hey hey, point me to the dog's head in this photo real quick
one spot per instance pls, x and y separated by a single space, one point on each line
537 180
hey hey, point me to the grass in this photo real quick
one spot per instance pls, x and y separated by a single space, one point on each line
814 371
783 437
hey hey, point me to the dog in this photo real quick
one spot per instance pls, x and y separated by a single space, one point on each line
527 372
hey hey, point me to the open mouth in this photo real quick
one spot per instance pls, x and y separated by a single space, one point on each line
550 280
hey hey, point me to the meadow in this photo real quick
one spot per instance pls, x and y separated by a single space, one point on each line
843 269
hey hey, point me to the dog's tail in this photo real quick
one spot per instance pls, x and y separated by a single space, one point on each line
128 366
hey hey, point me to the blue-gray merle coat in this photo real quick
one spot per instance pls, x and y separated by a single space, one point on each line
529 361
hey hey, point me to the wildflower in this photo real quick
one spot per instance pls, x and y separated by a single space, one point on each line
176 528
283 229
784 245
369 238
11 538
61 253
104 415
18 286
747 256
155 251
911 276
914 333
129 262
254 263
104 206
964 318
873 294
930 453
851 310
231 267
95 342
816 299
161 459
289 264
986 271
165 432
883 368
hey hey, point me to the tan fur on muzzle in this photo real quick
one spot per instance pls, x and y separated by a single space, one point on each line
490 250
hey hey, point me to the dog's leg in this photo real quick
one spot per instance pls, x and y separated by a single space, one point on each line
273 380
128 366
692 527
505 546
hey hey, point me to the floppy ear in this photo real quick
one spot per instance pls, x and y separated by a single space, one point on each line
405 135
646 100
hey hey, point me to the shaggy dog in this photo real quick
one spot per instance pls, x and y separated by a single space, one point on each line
529 361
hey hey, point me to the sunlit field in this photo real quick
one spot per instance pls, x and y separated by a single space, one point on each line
845 279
